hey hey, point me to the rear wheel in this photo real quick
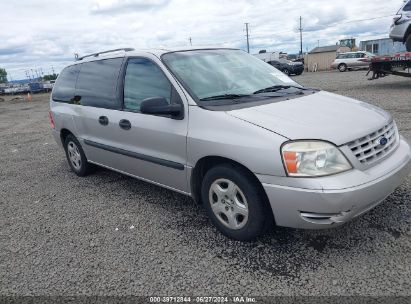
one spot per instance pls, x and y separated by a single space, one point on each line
76 157
342 67
234 202
408 43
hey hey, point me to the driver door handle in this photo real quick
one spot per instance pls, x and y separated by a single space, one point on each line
125 124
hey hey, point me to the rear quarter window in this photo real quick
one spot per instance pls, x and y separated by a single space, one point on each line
97 83
65 86
407 7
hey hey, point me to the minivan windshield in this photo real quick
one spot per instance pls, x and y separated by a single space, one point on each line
217 74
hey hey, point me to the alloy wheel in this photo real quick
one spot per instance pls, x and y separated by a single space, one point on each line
74 155
228 203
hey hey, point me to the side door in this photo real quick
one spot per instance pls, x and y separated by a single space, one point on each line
276 64
352 60
149 147
158 143
97 98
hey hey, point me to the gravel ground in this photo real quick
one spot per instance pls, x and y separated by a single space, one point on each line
108 234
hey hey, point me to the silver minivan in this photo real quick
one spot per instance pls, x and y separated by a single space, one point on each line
240 137
352 61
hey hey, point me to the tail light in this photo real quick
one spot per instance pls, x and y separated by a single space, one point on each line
53 126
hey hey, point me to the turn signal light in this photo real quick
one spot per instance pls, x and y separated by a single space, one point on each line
290 159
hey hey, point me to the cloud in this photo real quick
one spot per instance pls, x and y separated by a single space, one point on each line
125 6
45 33
10 51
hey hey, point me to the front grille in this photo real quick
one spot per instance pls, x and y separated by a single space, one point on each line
368 149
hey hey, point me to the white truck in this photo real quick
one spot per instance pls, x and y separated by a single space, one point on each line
267 56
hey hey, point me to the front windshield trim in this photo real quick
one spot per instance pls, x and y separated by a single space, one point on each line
179 79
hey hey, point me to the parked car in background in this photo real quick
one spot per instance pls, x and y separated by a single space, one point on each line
233 132
288 67
401 26
351 61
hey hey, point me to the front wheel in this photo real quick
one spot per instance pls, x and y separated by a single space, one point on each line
235 203
408 43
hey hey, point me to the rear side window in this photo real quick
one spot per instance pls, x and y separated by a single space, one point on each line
97 83
144 79
64 89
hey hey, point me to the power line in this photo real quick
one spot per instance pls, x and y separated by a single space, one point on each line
369 19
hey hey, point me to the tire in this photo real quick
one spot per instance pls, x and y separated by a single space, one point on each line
242 215
298 74
342 67
75 156
408 43
286 72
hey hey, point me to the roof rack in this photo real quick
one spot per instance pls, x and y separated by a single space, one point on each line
105 52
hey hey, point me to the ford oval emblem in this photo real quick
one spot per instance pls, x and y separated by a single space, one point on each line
383 141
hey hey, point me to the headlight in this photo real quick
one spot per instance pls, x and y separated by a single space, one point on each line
313 158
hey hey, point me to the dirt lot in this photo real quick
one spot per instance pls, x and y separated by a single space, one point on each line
108 234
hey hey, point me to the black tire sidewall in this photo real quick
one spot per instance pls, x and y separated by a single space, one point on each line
84 170
342 65
257 210
408 44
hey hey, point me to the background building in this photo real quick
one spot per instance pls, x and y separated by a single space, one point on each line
320 58
384 46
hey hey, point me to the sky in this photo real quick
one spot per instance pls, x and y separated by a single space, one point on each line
46 33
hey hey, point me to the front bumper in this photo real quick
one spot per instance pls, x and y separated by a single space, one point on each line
327 202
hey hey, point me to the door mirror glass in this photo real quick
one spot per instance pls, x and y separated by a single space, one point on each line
160 106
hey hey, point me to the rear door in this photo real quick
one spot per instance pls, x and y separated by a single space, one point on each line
97 98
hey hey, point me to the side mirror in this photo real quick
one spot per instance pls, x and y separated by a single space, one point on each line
160 106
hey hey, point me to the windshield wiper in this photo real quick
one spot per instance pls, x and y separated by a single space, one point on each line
276 88
223 96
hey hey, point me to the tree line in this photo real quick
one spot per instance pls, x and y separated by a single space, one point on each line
3 76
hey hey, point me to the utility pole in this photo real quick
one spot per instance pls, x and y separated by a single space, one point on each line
52 68
190 41
248 37
301 36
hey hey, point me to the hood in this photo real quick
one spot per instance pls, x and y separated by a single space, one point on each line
322 115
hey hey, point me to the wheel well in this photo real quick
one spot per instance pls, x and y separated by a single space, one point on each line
407 33
63 135
208 162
